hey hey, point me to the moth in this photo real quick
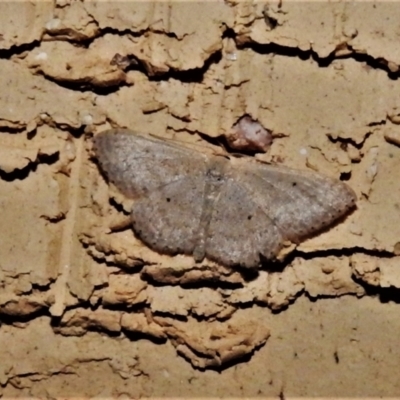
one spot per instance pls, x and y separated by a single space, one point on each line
230 210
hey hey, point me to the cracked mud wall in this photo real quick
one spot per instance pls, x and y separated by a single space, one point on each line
86 309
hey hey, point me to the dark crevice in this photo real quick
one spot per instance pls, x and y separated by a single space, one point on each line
378 123
39 288
318 297
345 176
21 174
126 270
12 130
54 219
138 308
276 49
323 62
136 336
31 134
170 314
385 294
130 62
222 142
346 252
85 85
118 207
218 141
228 33
374 63
344 142
279 266
86 42
74 132
209 317
8 319
16 50
196 75
211 283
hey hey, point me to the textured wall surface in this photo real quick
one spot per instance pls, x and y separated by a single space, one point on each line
86 309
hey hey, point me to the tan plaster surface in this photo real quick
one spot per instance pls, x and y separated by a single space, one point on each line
86 309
